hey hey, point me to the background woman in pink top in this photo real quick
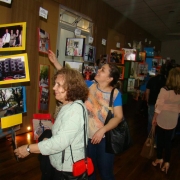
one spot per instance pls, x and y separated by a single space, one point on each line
167 109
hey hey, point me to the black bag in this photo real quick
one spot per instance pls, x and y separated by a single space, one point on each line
118 139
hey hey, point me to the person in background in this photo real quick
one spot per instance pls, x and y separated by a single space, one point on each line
6 39
97 106
68 129
12 39
152 90
166 114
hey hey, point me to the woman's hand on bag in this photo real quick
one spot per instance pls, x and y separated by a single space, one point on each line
96 139
21 152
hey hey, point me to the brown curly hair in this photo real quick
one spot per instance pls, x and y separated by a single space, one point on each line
74 84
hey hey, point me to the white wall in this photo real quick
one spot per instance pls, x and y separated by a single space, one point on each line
171 49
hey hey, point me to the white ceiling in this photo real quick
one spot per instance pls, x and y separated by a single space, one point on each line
158 17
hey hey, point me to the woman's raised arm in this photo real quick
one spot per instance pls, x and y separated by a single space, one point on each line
53 59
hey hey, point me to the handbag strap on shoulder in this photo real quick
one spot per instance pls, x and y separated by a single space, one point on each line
111 98
85 130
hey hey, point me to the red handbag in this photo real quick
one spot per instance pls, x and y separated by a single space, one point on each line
81 166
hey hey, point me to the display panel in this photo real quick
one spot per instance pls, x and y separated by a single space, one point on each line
14 69
12 101
13 36
74 47
44 41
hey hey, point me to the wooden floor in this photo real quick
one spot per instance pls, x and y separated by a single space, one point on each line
128 166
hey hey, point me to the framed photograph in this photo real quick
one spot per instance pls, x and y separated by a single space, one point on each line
116 56
44 99
129 54
131 83
12 101
14 69
44 41
142 69
75 65
44 74
141 56
13 36
133 71
89 53
121 70
89 71
157 61
40 123
74 47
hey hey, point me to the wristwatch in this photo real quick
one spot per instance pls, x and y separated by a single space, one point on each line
28 149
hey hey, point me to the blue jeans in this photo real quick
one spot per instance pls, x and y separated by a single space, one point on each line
151 109
102 161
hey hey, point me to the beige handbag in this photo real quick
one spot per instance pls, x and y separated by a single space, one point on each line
148 147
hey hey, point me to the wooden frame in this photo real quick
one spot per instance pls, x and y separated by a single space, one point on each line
116 56
12 101
15 39
14 69
43 41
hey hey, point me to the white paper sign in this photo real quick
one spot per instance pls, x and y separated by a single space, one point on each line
149 42
129 44
103 42
43 13
6 1
118 44
77 32
90 40
146 40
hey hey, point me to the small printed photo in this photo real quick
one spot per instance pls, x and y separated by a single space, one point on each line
89 71
75 65
131 84
129 54
44 41
142 56
40 125
89 53
116 56
12 101
44 99
133 71
14 69
74 47
142 69
157 62
44 75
